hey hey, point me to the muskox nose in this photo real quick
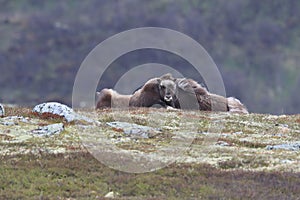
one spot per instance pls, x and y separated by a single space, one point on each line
168 97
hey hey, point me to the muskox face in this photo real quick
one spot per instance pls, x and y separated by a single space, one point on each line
167 89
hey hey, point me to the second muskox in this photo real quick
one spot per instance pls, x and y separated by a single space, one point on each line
191 95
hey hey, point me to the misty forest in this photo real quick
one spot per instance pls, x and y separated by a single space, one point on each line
255 45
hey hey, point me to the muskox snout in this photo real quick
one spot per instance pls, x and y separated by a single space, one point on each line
168 97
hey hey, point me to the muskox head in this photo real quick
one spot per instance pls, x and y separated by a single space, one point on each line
168 90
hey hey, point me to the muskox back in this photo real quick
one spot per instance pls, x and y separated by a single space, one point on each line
236 106
108 98
188 93
192 95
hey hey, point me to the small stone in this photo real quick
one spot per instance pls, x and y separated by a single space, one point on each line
170 108
49 130
135 130
271 117
238 133
223 143
111 195
2 111
9 123
13 120
17 118
289 147
282 116
286 161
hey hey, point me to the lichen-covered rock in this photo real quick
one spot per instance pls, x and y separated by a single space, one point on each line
49 129
290 147
223 143
2 112
62 110
14 120
135 130
56 109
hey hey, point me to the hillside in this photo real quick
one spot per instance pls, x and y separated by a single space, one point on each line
186 154
255 44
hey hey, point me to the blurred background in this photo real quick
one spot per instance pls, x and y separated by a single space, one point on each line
255 44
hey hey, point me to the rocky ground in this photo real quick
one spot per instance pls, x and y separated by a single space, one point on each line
148 154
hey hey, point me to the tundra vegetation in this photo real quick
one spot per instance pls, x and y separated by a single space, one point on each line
230 156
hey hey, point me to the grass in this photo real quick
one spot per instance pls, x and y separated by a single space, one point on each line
242 170
79 175
18 111
27 112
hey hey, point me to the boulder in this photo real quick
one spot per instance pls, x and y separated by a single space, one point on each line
61 110
55 109
134 130
49 129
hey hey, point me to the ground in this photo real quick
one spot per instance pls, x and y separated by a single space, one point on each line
193 155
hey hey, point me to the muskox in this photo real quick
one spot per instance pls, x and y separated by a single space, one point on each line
148 95
167 91
156 91
191 95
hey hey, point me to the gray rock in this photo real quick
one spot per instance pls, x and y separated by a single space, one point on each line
290 147
49 129
135 130
56 109
112 195
13 120
8 123
238 133
60 110
2 112
286 161
223 143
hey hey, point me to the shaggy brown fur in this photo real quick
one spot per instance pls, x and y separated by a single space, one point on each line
108 98
191 95
156 91
148 95
234 105
168 91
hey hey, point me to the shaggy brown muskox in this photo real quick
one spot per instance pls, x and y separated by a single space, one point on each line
156 91
168 91
159 91
192 95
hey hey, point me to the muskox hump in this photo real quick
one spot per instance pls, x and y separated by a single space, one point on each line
103 99
108 98
234 105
